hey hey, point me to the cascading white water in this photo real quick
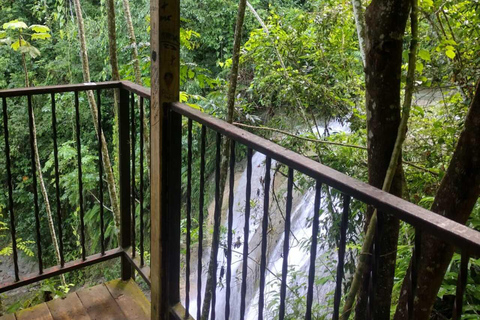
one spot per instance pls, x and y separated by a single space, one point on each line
299 254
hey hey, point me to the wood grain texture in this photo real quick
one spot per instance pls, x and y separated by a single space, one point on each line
115 300
165 84
39 312
100 304
57 270
130 298
69 308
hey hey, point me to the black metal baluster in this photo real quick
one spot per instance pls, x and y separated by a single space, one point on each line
34 181
132 139
100 171
57 180
286 245
263 258
246 231
189 218
341 256
80 183
461 285
313 250
124 171
414 273
230 227
200 220
10 190
374 270
216 225
142 245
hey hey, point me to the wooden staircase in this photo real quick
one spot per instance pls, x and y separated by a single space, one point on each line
114 300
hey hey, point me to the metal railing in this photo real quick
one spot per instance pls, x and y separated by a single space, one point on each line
424 221
128 186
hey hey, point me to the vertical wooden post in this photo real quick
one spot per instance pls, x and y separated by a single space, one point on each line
124 177
165 83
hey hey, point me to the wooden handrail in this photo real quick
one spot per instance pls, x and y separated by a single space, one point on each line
439 226
165 267
449 230
17 92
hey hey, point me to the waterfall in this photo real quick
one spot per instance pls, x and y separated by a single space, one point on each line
299 253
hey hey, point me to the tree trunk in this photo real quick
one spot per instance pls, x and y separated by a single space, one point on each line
133 42
112 191
455 199
393 167
138 76
112 42
385 27
225 156
43 189
360 26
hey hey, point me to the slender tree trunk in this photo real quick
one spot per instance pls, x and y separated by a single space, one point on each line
25 70
225 156
112 55
138 75
360 26
393 167
112 41
455 199
133 41
43 189
385 26
112 49
94 111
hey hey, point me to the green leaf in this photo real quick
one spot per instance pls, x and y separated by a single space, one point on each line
426 3
418 110
15 24
31 50
183 96
424 54
419 67
41 35
3 34
39 28
34 52
19 43
6 41
450 53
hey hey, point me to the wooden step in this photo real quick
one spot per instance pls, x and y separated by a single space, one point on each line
115 300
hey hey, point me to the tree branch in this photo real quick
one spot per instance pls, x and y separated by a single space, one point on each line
346 145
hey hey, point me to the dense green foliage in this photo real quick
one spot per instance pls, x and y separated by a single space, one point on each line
304 74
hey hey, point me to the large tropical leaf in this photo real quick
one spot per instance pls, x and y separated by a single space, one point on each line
41 35
19 43
6 41
39 28
15 24
31 50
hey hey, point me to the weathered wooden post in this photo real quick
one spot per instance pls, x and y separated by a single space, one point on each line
165 157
